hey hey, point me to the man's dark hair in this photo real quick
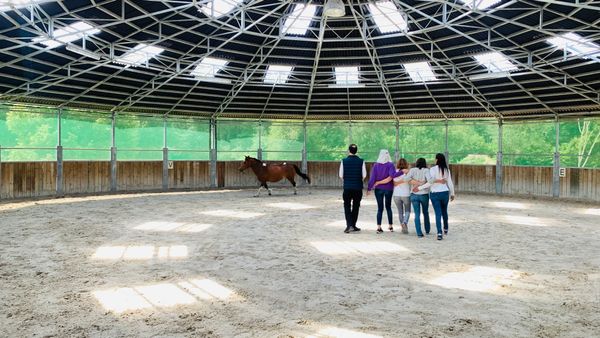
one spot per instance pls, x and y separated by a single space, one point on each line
353 148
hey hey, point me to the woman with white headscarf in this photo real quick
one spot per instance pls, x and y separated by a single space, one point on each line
382 170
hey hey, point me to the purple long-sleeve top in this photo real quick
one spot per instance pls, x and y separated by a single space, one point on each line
381 171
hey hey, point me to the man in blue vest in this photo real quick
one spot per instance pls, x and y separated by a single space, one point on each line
353 173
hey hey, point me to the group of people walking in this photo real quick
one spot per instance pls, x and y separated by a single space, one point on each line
406 186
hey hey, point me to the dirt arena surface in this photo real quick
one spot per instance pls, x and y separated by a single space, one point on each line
225 264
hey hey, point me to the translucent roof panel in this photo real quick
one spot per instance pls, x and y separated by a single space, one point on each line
139 55
495 62
387 17
576 45
70 33
7 5
208 67
218 8
480 4
420 71
299 20
277 74
346 76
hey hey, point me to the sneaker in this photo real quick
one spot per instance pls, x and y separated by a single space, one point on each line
404 228
439 237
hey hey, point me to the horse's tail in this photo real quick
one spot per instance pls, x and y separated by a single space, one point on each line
304 176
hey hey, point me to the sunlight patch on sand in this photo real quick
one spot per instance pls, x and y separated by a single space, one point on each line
140 252
232 213
163 226
510 205
347 247
335 332
119 300
291 206
526 220
477 278
595 212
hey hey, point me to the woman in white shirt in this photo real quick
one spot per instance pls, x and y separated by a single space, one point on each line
441 192
402 195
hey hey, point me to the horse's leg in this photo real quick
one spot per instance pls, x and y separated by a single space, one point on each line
291 179
268 189
259 189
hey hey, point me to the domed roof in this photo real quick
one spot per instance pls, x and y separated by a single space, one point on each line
285 59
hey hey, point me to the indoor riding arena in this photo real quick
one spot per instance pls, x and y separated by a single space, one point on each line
135 134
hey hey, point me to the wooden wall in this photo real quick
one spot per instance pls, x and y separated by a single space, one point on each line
189 175
86 177
38 179
27 179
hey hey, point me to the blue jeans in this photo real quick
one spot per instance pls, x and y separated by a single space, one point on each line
380 195
421 202
439 200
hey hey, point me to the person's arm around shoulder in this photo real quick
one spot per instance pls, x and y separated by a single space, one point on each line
428 179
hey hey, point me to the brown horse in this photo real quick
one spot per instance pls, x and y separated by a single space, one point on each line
272 173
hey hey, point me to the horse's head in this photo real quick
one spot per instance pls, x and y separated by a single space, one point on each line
246 164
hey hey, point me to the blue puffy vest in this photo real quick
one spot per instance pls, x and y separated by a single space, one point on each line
353 179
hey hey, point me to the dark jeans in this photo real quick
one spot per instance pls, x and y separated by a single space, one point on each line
351 205
421 202
380 196
439 200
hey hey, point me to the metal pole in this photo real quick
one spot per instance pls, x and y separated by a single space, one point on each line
397 150
59 158
213 152
304 155
350 132
113 155
446 153
259 151
165 169
556 162
499 175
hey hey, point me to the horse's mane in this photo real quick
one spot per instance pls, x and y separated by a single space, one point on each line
255 159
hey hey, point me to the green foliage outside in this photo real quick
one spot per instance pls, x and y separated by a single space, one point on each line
87 136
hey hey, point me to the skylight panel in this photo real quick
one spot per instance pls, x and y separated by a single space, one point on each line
480 4
218 8
142 53
299 20
576 45
277 74
209 67
7 5
495 62
346 76
70 33
387 17
420 71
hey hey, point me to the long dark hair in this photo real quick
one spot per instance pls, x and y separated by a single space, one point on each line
421 163
402 164
441 162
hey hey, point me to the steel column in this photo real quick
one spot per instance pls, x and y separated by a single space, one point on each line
113 156
499 162
165 166
213 153
556 162
59 159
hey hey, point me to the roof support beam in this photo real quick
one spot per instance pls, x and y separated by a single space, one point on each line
372 51
313 74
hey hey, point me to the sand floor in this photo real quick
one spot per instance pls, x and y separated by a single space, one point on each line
224 264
